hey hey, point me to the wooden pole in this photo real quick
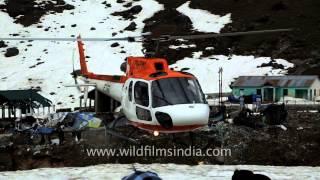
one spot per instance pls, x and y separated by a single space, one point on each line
9 113
14 112
3 112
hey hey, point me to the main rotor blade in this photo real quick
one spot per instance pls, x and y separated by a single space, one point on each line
130 38
205 36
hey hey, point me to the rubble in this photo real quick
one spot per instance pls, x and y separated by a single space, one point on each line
267 145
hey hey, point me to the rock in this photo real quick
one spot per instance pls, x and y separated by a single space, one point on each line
73 25
2 44
11 52
129 14
115 44
92 28
128 5
272 64
28 12
135 9
132 26
247 174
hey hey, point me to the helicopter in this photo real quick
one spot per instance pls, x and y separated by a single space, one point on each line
153 97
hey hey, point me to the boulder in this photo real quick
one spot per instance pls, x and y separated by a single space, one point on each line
132 26
11 52
2 44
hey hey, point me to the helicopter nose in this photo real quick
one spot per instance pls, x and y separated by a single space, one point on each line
182 115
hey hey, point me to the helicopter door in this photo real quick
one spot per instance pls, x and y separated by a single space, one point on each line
142 102
127 100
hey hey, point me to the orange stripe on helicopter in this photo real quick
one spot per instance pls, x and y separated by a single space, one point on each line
159 128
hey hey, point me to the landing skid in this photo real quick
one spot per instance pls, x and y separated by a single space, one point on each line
121 129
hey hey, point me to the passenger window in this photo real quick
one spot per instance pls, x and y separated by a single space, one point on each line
141 93
130 91
143 114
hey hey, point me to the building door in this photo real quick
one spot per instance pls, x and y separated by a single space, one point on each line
302 93
285 92
268 94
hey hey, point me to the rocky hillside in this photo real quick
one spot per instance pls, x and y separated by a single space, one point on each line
302 46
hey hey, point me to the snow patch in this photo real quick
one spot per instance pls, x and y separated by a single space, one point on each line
292 100
203 20
184 46
206 69
165 171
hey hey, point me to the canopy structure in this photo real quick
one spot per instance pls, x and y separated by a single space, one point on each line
23 97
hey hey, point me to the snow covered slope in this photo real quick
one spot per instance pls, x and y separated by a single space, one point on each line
47 65
206 69
203 20
165 171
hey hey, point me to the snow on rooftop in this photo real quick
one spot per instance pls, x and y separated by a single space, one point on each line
203 20
165 171
206 69
48 65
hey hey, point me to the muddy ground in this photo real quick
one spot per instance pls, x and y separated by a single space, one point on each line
269 145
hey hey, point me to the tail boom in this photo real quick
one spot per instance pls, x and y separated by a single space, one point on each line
84 69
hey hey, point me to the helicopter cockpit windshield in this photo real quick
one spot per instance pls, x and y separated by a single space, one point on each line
172 91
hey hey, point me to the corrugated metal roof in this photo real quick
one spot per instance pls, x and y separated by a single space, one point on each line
276 81
23 96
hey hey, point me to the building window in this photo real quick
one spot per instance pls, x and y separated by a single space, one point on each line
259 92
301 93
285 92
314 92
143 114
241 92
141 93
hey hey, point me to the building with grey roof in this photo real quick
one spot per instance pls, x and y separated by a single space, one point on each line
272 88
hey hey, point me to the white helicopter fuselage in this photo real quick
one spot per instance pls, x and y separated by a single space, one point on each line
143 116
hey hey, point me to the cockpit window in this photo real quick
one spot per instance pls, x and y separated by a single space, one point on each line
172 91
130 91
141 93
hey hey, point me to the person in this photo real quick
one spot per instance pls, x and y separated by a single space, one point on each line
60 132
248 175
142 175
